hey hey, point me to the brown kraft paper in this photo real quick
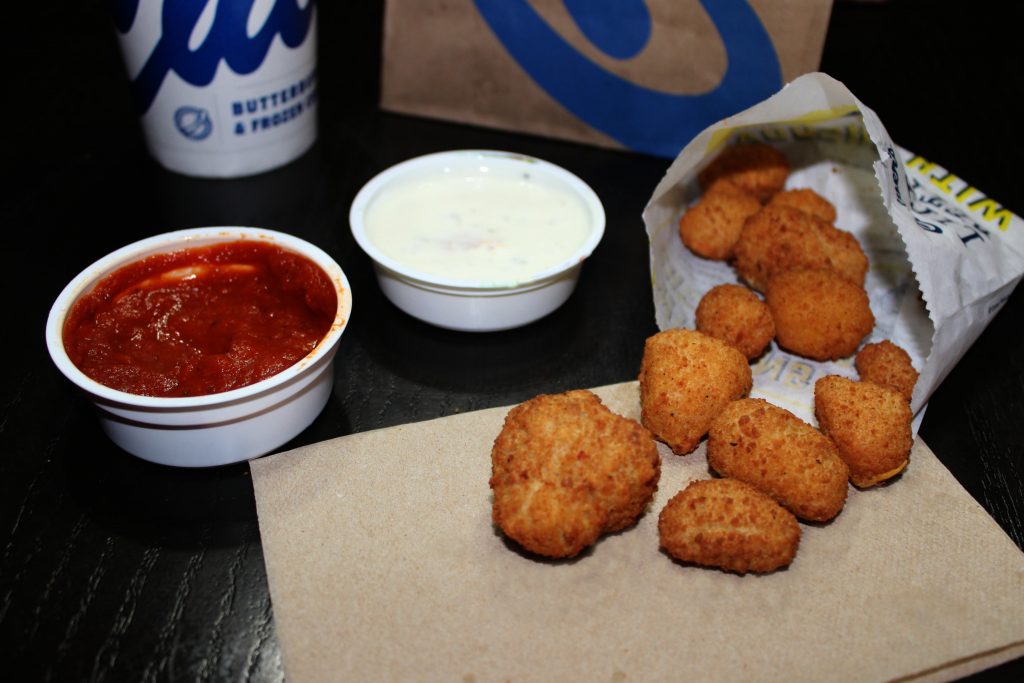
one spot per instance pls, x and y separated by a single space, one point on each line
384 565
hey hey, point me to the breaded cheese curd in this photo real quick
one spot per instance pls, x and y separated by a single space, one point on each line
711 227
738 317
887 364
728 524
779 238
776 452
565 470
818 314
686 378
756 167
869 424
808 201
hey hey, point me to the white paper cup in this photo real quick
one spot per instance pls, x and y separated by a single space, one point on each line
225 88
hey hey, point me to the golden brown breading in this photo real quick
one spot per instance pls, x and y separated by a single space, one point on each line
818 314
779 238
565 470
738 317
887 364
758 168
686 378
728 524
711 227
775 451
808 201
870 425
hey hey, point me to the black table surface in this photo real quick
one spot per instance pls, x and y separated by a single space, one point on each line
115 569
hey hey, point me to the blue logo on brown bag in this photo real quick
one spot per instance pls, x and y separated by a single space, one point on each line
640 118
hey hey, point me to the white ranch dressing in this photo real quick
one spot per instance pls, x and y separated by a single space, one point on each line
479 227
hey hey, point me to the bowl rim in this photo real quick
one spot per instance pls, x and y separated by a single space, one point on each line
372 187
182 239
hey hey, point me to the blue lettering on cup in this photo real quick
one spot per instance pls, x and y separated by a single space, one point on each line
226 40
640 118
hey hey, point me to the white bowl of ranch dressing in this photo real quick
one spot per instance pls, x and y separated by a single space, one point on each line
477 240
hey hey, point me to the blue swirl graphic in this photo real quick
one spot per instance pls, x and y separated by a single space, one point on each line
619 28
639 118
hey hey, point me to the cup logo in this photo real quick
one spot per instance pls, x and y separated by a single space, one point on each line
227 39
193 122
637 117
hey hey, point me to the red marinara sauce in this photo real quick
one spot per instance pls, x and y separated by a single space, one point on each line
201 320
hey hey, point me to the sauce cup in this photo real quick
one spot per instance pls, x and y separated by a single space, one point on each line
476 295
212 429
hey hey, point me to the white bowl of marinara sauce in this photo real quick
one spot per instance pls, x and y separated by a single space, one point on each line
477 240
229 423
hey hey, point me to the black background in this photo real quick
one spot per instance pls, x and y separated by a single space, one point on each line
115 569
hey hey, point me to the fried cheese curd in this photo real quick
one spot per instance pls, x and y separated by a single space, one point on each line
779 238
869 424
565 470
711 227
808 201
779 454
887 364
686 378
728 524
738 317
756 167
818 314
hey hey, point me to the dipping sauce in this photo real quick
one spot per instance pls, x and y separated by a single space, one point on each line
492 229
201 320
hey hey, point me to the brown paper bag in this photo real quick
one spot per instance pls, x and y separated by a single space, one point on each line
645 76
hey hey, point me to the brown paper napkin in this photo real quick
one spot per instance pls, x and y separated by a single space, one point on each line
383 565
